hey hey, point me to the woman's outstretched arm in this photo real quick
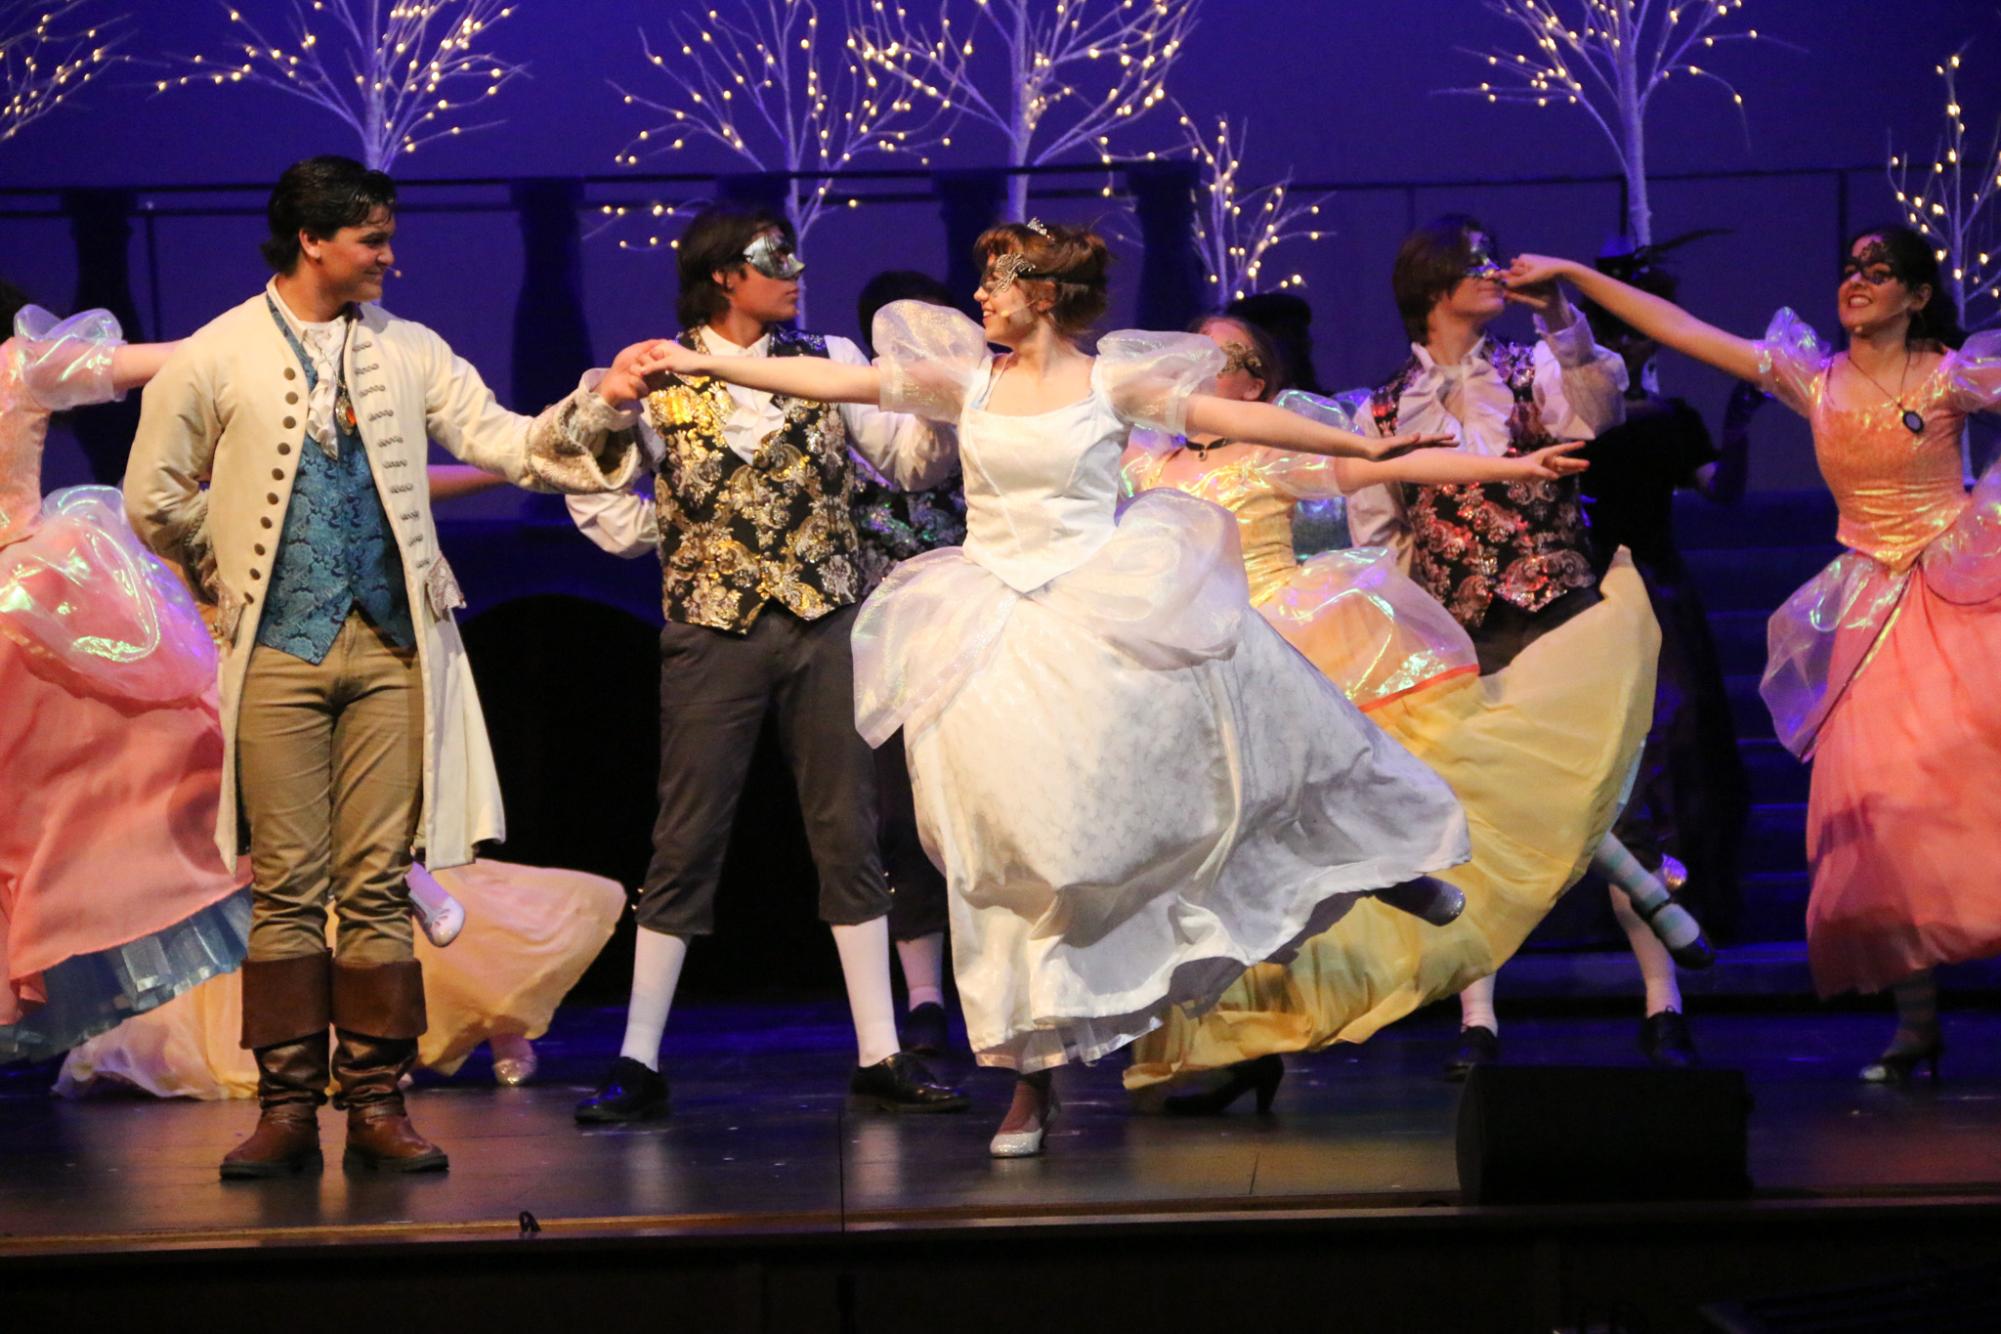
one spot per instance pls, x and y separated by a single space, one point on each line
1663 321
1268 424
819 379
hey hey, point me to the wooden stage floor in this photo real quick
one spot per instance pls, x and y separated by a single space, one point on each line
763 1138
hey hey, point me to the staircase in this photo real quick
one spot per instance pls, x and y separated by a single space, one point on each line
1745 560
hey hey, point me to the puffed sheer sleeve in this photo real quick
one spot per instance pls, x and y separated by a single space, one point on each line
1792 361
931 359
1974 373
1311 476
1148 377
67 363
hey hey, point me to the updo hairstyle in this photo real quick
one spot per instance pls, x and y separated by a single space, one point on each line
1066 267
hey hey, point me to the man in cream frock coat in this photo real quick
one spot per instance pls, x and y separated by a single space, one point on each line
353 736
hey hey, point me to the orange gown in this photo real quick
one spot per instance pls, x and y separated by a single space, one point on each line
1881 672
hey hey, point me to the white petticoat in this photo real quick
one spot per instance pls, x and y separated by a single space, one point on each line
1135 787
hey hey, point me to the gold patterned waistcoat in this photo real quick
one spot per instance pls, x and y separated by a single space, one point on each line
736 535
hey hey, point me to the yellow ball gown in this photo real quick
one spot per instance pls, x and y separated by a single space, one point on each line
1539 755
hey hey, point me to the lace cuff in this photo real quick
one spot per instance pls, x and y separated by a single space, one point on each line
583 444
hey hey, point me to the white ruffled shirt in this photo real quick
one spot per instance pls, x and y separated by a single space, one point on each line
1579 386
907 451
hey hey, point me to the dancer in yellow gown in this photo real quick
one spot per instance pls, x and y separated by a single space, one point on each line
1537 753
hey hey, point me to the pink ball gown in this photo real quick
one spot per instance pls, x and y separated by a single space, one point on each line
1881 672
112 896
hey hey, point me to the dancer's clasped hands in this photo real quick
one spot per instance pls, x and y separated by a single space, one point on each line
626 382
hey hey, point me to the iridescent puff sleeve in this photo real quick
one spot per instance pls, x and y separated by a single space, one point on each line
930 358
1791 362
1974 373
1148 378
1312 476
67 363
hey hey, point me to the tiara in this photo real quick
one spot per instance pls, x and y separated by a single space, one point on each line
1037 226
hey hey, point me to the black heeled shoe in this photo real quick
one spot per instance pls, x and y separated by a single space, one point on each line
1666 1043
1261 1076
1896 1068
1478 1045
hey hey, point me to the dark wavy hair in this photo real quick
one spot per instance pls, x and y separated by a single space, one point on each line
714 243
1916 263
321 195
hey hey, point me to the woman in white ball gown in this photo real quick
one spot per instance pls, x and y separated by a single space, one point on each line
1134 786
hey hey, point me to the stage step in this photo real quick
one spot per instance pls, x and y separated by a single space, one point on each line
1760 969
1775 775
1796 518
1747 707
1755 578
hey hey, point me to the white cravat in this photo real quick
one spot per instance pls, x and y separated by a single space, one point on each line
324 343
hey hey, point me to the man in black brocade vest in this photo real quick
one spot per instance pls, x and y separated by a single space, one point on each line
761 575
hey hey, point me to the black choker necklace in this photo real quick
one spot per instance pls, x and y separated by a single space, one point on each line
1202 448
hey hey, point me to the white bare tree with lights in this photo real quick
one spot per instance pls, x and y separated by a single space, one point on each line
1948 201
1610 58
48 53
1237 227
399 73
1061 77
768 84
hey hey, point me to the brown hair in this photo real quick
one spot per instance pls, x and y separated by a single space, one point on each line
1430 263
1067 266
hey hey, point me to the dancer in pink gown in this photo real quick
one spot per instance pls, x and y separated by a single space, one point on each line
1879 667
113 897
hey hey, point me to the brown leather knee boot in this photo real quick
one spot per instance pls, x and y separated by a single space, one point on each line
378 1014
286 1008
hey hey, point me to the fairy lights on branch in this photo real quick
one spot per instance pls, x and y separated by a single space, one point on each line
1054 78
1236 227
48 54
1609 58
1948 200
767 83
400 73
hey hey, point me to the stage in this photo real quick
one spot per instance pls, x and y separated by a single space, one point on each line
768 1203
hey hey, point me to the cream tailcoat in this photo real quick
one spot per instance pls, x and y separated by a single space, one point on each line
229 409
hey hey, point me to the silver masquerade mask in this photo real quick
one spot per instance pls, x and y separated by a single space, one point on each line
773 255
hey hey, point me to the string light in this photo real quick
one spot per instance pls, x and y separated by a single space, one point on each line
396 85
45 59
1607 58
768 84
1102 64
1235 227
1948 204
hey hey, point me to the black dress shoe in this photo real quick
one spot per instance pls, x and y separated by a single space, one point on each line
630 1092
1665 1041
1478 1045
924 1030
902 1084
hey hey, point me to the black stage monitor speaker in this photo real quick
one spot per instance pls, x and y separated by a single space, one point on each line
1581 1134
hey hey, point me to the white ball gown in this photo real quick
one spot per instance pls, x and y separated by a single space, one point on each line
1136 789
